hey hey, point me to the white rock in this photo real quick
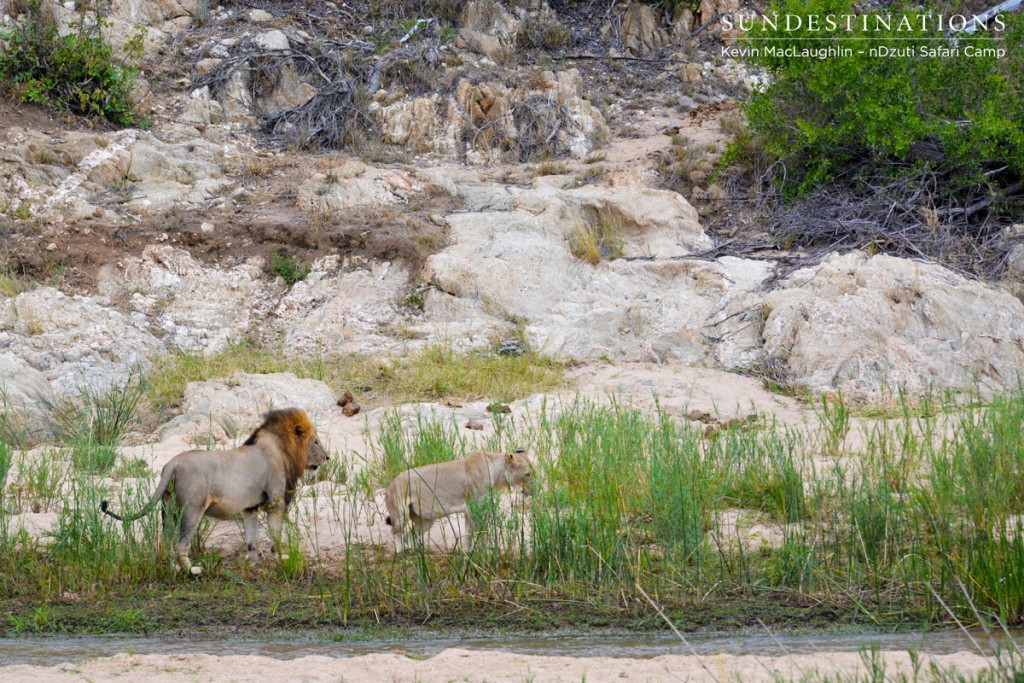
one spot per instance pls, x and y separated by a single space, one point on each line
273 40
25 393
859 323
517 265
76 342
195 307
343 310
226 410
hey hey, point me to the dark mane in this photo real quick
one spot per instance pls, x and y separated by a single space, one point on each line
294 431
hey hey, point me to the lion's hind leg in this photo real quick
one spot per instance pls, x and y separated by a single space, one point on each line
190 518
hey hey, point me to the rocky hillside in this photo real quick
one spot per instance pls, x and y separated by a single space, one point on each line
345 178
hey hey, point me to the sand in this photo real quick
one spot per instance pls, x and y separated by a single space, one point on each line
476 666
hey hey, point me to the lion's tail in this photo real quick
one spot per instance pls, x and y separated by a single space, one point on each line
165 480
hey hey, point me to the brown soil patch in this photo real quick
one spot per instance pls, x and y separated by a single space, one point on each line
14 113
72 255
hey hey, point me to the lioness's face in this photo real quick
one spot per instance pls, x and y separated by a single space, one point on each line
315 454
520 472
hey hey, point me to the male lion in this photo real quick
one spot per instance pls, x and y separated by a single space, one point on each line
261 474
423 494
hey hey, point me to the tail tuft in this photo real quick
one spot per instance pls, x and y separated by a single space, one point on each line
105 507
387 520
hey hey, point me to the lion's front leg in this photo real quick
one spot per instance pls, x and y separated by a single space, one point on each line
252 536
275 524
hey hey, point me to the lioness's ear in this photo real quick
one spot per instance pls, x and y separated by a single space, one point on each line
510 458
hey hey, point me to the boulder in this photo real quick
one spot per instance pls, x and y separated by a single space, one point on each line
864 323
225 411
272 40
162 173
25 394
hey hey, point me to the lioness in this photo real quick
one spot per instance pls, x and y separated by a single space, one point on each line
423 494
261 474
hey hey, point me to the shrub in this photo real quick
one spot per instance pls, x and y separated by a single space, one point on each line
74 73
853 119
288 268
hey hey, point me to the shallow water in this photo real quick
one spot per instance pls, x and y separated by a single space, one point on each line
56 650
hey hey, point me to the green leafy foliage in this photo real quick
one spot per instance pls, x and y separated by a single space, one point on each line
846 118
287 268
76 72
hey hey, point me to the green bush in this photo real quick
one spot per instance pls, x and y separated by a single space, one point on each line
74 73
857 117
288 268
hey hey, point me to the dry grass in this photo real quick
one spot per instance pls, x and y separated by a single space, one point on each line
598 240
551 168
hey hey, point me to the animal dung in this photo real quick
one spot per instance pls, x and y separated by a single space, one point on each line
350 408
473 424
346 399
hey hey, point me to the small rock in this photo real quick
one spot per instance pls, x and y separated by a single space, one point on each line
367 30
346 399
690 73
511 347
702 416
350 409
273 40
205 66
206 227
51 247
473 424
259 16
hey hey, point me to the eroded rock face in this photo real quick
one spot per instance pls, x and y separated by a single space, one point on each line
354 185
62 177
517 265
488 29
74 341
641 33
194 308
487 119
344 308
858 323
